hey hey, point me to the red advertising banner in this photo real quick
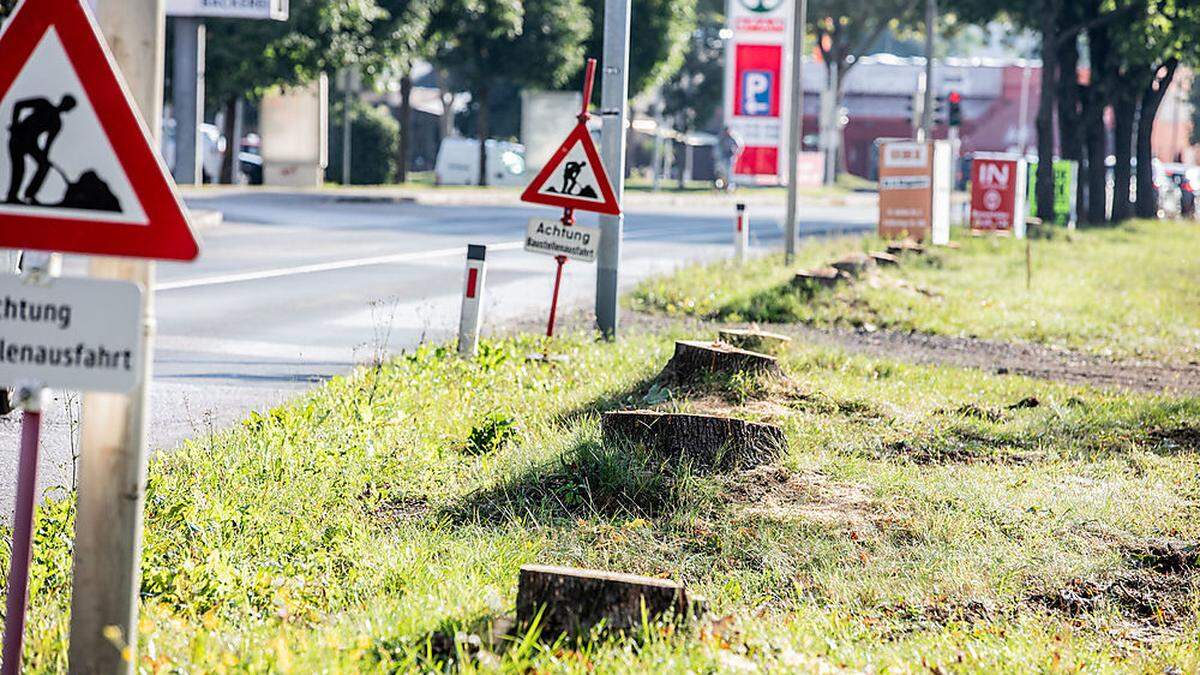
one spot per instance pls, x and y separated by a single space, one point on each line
997 194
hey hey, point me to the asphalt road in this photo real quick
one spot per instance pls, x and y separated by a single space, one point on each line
295 288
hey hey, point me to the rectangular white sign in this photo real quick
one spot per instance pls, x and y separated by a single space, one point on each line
71 333
551 237
230 9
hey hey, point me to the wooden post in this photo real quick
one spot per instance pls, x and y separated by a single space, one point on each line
112 473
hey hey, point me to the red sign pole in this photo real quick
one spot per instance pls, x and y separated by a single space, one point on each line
568 218
22 544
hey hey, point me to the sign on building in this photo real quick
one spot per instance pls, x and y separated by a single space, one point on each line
757 87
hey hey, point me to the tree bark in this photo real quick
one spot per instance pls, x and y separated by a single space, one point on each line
481 123
1095 131
1045 118
1070 131
706 443
1152 98
402 154
1124 110
232 145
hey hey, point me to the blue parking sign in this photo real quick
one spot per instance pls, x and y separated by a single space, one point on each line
757 86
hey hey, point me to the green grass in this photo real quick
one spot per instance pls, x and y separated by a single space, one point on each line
346 531
1128 291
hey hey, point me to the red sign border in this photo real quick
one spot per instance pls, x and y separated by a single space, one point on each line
167 234
579 134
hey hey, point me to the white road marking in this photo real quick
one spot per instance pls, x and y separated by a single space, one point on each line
328 266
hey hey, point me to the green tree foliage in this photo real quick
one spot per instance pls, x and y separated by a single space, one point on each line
373 139
659 36
534 43
693 94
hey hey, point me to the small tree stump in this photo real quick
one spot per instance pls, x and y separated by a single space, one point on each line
574 601
755 340
905 246
693 360
853 264
884 259
822 277
707 442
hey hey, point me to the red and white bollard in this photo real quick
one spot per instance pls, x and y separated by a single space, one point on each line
472 302
741 234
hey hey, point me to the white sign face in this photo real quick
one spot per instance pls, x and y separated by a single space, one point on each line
230 9
575 177
57 161
71 333
906 155
551 237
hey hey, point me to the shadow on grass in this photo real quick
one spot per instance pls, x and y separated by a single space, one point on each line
590 479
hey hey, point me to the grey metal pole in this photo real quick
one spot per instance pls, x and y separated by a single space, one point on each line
187 83
112 471
346 100
795 126
235 143
614 94
931 13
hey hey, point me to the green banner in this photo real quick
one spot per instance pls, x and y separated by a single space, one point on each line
1066 172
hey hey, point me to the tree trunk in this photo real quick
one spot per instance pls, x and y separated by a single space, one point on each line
402 154
1045 118
1152 97
1124 110
481 123
1095 130
1070 131
232 145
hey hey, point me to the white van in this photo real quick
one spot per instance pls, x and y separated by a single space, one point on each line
458 162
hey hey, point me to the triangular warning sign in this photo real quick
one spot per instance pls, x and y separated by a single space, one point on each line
574 178
78 171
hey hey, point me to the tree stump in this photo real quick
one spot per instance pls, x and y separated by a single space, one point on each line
706 442
821 277
884 259
574 601
905 246
853 264
755 340
693 360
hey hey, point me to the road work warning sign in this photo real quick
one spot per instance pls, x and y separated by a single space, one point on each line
70 333
551 237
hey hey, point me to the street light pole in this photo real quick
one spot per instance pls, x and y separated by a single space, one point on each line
931 13
795 126
613 96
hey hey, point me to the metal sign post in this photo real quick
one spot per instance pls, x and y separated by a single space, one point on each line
795 128
30 399
613 97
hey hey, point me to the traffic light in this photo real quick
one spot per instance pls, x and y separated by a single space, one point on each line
955 111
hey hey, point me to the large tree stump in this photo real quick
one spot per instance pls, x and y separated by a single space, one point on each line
854 264
693 360
574 601
821 277
754 340
706 442
884 259
905 246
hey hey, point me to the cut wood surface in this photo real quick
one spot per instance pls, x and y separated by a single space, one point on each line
754 340
826 277
884 259
853 264
693 360
706 442
574 601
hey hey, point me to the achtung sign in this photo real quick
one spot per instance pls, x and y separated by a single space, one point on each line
551 237
70 333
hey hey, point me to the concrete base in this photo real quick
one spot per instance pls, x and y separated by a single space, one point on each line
293 174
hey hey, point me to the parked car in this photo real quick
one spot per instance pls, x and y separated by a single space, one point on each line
1167 192
458 162
1187 179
